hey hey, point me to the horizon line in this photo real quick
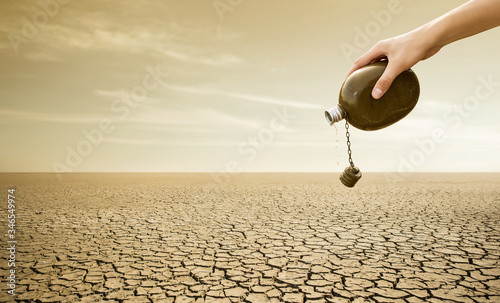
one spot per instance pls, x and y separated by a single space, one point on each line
251 172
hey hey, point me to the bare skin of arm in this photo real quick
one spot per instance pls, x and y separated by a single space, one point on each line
406 50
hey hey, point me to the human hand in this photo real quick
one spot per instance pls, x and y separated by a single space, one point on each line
402 52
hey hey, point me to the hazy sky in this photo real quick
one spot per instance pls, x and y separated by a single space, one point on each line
227 85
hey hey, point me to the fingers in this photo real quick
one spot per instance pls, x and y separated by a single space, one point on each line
385 81
372 55
379 51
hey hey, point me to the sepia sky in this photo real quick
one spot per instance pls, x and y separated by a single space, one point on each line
192 85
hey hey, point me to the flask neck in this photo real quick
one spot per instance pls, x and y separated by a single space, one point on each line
335 114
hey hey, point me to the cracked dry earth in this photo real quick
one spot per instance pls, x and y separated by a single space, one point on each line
259 238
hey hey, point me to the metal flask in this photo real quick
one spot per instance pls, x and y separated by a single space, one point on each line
359 109
365 113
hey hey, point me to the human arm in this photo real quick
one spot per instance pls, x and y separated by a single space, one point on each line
406 50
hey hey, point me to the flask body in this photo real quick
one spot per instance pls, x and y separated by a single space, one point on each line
362 111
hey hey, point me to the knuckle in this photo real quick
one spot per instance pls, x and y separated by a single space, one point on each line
380 44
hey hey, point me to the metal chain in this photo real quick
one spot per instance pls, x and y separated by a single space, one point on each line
347 134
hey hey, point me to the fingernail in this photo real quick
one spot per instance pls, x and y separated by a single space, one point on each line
377 93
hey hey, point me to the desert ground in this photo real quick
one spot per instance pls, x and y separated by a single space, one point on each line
253 238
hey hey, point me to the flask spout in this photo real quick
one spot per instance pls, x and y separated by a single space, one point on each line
334 114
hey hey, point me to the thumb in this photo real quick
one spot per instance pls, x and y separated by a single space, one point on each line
384 82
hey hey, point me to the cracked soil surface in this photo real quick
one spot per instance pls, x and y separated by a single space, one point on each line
257 238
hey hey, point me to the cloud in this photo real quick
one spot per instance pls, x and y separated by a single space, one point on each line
243 96
164 142
194 56
197 118
275 101
181 129
73 29
157 111
20 115
192 116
